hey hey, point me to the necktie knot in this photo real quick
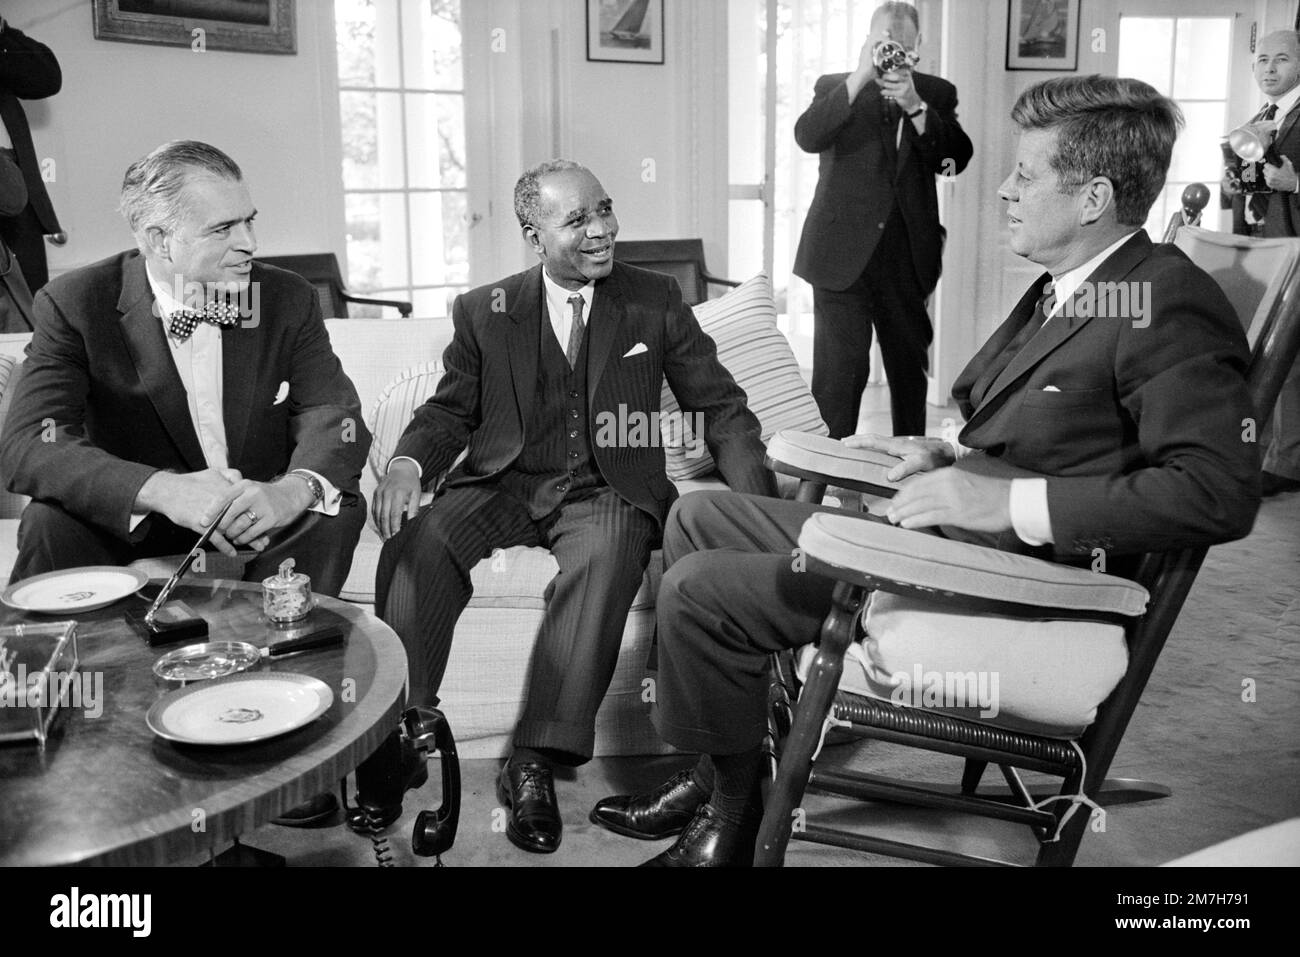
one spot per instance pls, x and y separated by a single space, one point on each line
1270 112
182 322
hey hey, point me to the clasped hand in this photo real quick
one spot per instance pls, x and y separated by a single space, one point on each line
193 500
942 495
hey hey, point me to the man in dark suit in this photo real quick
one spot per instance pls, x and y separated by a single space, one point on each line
1095 421
28 70
872 242
1277 213
538 363
165 383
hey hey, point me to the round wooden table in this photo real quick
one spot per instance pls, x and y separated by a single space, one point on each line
106 790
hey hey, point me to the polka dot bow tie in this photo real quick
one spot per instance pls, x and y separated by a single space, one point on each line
182 322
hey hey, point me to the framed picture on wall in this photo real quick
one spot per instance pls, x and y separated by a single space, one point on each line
244 26
1043 35
625 31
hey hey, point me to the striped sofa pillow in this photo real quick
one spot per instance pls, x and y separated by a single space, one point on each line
395 407
751 347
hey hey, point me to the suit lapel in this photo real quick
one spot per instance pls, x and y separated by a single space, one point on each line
242 348
607 311
523 335
1065 324
147 343
1288 124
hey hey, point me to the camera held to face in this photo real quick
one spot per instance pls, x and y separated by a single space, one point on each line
890 55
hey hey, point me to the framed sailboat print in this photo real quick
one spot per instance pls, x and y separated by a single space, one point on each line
625 31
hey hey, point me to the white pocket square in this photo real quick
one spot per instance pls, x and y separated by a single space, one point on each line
282 393
1050 388
636 350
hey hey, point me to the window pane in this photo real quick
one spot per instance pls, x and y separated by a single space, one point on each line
439 238
1201 58
354 28
372 136
434 303
376 224
432 48
1196 154
435 126
745 227
1146 50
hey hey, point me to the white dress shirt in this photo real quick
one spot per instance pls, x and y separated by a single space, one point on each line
199 362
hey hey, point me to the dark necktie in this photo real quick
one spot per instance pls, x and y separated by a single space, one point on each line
575 331
1046 302
1259 201
182 322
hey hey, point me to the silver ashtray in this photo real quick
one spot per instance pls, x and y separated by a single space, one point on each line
210 659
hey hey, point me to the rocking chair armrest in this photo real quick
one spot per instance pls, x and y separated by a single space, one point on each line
883 556
808 456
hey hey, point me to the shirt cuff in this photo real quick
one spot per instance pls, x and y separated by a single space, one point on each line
1029 517
419 470
136 519
329 501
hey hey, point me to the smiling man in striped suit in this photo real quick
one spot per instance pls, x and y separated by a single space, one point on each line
537 362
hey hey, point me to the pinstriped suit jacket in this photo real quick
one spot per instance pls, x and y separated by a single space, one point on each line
484 398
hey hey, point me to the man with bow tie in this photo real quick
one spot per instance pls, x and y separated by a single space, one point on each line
1274 213
1088 433
536 361
166 383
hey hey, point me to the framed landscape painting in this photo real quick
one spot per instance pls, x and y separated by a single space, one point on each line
243 26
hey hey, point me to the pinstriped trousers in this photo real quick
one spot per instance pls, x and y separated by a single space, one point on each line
602 545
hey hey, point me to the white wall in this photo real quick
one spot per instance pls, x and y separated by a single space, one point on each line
614 117
276 115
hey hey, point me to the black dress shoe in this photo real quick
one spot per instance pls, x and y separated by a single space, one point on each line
382 779
663 812
1271 484
318 812
528 790
708 842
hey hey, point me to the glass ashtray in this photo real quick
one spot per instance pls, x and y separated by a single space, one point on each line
211 659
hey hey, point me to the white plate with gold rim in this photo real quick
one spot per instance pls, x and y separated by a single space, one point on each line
72 590
240 709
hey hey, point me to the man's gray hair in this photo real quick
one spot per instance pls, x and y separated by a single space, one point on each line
153 187
528 189
1109 126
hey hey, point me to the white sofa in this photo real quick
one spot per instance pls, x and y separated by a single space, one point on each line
394 364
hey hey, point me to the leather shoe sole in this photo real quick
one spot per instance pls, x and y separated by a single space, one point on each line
541 844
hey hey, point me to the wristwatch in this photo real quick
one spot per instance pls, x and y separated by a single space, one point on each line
313 483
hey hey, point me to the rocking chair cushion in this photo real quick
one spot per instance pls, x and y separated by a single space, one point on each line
1043 677
810 452
946 567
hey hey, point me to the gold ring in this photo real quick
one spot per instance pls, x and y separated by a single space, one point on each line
252 517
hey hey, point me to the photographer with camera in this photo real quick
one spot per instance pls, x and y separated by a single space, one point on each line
1271 208
872 242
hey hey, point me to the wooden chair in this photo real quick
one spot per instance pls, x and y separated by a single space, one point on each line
833 549
683 259
322 271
